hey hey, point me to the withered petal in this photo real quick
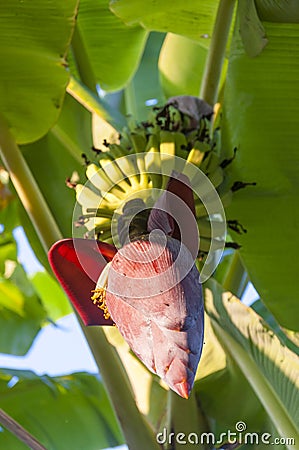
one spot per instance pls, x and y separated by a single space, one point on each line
77 264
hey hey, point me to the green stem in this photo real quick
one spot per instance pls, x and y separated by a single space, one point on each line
213 67
236 277
130 100
94 104
184 417
263 389
136 431
23 435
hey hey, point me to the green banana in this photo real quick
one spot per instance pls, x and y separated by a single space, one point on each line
144 159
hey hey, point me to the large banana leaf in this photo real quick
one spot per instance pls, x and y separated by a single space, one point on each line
196 19
218 381
63 413
286 337
273 11
34 39
270 367
261 112
110 48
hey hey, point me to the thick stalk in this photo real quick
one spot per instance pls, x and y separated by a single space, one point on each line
213 67
95 105
263 389
135 429
130 100
137 432
184 416
23 435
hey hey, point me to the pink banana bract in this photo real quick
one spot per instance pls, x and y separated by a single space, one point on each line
153 293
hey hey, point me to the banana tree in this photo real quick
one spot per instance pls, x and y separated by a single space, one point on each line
118 119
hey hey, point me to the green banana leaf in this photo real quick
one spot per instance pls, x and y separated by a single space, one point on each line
21 312
22 295
271 368
218 382
181 65
273 11
106 51
63 413
261 112
231 274
283 335
145 85
8 250
34 39
9 216
196 19
53 298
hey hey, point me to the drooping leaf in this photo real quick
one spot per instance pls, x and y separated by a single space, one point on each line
8 250
260 119
34 39
112 48
218 381
196 18
9 216
66 412
21 313
53 298
270 367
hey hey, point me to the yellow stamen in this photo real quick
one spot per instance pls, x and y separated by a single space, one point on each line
99 299
99 293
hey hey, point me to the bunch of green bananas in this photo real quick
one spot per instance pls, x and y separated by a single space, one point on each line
138 166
